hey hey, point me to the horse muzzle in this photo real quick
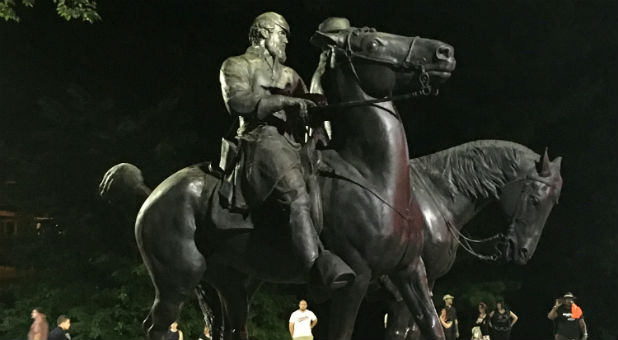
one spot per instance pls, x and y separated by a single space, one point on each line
512 253
509 252
442 70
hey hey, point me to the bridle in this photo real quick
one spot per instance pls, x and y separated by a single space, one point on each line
465 241
410 61
407 62
525 190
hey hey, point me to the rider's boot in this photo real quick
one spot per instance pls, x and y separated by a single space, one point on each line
322 265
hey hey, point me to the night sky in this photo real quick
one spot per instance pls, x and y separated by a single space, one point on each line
540 73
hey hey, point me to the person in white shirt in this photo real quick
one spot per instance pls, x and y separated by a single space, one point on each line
301 322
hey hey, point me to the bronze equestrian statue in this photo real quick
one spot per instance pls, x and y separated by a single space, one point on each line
454 185
370 220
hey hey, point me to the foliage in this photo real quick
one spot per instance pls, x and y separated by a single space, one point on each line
84 10
108 307
86 263
7 10
269 313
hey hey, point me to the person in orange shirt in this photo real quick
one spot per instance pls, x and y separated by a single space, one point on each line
569 319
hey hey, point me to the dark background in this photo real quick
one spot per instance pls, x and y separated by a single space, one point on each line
142 86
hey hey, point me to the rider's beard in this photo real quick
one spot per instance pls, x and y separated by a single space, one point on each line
277 50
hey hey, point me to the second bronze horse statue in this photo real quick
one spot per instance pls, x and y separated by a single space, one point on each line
370 219
454 185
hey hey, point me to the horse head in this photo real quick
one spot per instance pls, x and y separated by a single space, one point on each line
383 63
528 201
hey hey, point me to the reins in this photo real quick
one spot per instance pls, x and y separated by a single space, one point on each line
425 90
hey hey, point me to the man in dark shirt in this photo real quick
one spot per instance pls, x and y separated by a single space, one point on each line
60 332
568 319
452 332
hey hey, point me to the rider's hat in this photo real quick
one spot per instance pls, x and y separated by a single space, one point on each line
447 296
272 17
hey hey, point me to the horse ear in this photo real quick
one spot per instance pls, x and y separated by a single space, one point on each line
557 162
323 40
545 171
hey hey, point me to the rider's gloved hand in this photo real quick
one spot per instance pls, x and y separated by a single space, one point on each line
273 103
302 104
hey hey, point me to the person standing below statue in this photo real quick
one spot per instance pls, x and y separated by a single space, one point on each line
301 322
60 332
449 314
482 321
261 91
568 318
174 333
39 328
501 322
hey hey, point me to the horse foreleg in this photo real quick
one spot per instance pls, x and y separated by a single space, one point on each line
414 332
346 302
412 283
399 320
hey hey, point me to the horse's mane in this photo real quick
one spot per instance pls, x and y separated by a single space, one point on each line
475 169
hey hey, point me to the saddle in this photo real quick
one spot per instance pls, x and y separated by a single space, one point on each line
232 203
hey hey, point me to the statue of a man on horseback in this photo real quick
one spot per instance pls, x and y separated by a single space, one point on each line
259 89
189 238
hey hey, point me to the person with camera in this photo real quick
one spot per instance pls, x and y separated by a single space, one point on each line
568 318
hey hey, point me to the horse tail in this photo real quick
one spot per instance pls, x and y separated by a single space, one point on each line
124 185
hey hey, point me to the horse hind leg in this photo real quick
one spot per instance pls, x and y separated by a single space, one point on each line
176 267
173 288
